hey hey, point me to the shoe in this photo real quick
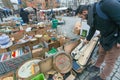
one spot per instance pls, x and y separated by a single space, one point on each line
93 69
96 78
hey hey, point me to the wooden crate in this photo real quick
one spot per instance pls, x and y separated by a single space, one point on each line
46 65
40 52
40 31
54 44
3 50
17 36
31 33
8 76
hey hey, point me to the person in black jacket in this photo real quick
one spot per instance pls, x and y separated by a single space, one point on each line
1 16
25 15
107 21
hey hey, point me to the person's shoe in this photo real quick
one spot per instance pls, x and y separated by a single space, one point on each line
93 69
96 78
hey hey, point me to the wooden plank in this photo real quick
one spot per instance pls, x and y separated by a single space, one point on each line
87 50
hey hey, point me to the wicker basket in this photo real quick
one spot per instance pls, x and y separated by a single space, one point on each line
62 62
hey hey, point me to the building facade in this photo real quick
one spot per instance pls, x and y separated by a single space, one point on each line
1 3
7 3
43 4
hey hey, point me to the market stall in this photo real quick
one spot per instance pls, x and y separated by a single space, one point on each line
40 52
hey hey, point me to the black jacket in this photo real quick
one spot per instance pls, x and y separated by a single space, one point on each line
24 15
109 28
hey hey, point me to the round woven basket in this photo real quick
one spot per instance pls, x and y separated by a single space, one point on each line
62 62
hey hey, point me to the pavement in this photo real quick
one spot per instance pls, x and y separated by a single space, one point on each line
115 75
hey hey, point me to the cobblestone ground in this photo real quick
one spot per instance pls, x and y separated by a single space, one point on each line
115 75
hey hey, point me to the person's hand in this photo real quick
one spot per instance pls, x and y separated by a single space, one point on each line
85 42
118 45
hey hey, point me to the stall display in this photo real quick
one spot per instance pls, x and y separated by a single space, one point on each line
13 59
43 52
25 39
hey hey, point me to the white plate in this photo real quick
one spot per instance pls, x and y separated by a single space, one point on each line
25 70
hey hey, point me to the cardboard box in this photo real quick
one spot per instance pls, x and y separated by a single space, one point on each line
70 46
18 35
33 43
40 52
63 40
3 50
77 28
31 33
46 65
40 31
72 75
54 44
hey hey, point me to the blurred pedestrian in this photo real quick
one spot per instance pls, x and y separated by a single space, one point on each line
105 17
24 15
1 16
